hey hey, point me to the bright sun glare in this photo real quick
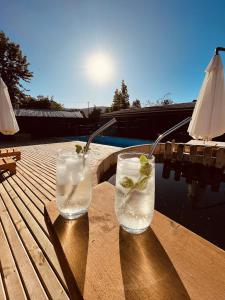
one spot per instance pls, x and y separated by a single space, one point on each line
100 68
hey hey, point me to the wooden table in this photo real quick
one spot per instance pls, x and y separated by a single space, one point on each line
101 261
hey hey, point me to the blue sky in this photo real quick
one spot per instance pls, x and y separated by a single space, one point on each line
156 46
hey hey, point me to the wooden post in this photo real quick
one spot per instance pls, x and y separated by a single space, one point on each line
193 153
180 148
207 157
220 158
168 151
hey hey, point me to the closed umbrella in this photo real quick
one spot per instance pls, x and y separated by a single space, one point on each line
208 119
8 123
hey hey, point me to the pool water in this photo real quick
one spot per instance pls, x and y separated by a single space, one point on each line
112 140
191 202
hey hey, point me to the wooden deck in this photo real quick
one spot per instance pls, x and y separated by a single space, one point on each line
29 267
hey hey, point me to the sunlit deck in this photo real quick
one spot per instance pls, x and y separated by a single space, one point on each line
29 266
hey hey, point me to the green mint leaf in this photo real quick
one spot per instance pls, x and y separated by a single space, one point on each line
143 159
127 183
142 184
145 169
78 148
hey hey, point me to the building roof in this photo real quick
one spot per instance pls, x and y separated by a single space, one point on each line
47 113
189 106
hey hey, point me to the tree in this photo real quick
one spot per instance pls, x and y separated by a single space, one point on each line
121 98
13 68
136 104
108 109
116 101
95 114
125 96
165 100
41 102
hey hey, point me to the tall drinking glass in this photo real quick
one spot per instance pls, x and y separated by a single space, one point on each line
135 191
73 184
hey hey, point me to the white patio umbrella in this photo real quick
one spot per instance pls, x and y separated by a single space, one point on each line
8 123
208 118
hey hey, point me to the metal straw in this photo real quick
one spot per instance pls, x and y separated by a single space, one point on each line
97 132
161 136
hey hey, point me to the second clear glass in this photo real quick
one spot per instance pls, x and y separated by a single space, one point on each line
135 191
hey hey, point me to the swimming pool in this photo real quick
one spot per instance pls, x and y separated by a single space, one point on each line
112 140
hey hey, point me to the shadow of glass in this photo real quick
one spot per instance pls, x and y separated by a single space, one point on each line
70 240
73 236
147 270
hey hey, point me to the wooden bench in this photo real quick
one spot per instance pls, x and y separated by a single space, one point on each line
14 153
8 164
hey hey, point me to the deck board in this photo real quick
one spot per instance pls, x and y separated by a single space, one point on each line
2 289
10 273
29 267
24 265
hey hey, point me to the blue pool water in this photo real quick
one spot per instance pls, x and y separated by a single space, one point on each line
112 140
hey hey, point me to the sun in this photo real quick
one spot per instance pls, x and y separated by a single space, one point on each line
100 68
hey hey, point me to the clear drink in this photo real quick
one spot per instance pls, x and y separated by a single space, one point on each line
135 191
73 184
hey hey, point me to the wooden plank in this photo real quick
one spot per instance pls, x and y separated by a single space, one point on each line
2 290
49 158
15 153
119 265
30 193
37 215
36 184
8 164
41 166
200 264
39 179
44 188
40 176
47 275
37 170
29 277
34 228
3 151
42 198
11 278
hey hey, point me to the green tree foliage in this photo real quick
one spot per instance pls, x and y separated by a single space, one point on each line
166 102
95 114
41 102
108 109
116 104
125 96
121 98
136 104
13 68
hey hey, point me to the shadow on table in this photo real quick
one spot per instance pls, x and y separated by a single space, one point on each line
70 240
147 270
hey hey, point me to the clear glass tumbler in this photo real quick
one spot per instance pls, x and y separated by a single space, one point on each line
73 184
135 191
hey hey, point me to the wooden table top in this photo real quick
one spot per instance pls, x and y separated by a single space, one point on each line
101 261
